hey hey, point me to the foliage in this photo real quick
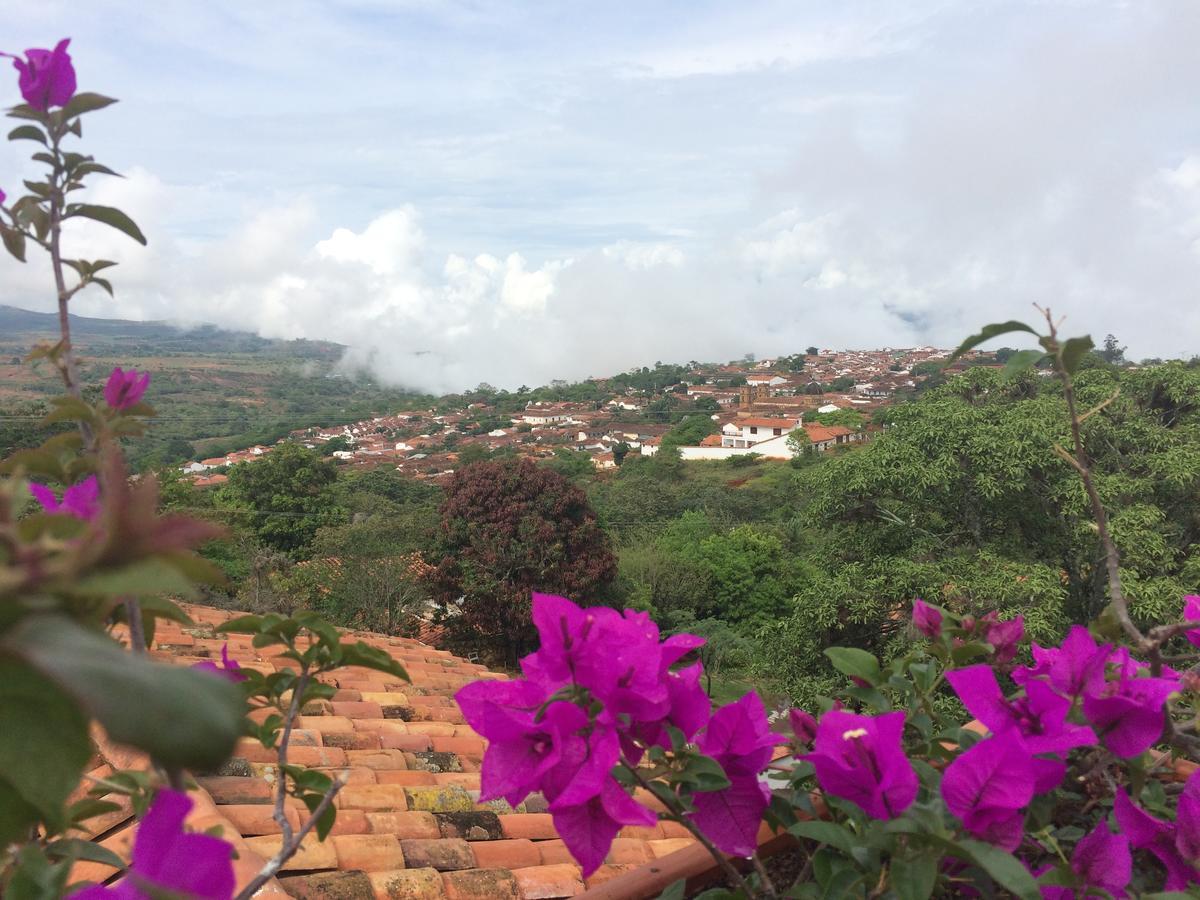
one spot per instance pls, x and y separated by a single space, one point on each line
286 496
508 527
847 418
930 508
688 433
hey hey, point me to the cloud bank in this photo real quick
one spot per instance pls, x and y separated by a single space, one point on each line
739 187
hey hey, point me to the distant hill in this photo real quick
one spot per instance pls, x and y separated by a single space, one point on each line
156 335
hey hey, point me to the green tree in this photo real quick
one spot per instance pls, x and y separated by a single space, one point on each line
472 453
335 445
798 442
814 387
286 496
691 431
1112 352
964 501
847 418
842 383
812 351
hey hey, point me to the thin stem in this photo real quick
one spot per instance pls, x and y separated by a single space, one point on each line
70 370
735 877
290 842
768 885
289 847
137 634
1112 558
281 777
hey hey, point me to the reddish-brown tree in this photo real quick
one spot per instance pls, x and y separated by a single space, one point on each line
509 528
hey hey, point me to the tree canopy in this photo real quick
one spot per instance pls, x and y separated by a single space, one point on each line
508 528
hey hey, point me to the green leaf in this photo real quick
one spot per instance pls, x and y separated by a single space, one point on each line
44 743
326 819
139 702
966 652
1022 360
25 111
27 133
85 103
704 774
14 242
110 216
76 848
914 879
93 168
1073 350
34 878
676 890
826 833
854 662
242 625
89 808
360 654
1007 871
987 333
146 576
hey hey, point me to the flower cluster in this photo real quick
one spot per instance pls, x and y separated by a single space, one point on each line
602 690
47 77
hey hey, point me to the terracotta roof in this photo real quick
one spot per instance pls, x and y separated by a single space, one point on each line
409 820
820 433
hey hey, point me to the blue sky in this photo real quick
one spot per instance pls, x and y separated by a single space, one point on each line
540 190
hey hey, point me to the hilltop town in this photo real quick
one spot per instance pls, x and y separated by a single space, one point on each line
755 407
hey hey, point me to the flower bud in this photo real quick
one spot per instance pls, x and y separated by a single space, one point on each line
926 619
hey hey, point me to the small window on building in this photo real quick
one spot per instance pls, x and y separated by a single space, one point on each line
778 432
754 429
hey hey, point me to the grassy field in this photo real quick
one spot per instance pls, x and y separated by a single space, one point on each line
214 390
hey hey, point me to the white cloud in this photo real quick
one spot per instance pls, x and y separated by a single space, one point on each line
460 196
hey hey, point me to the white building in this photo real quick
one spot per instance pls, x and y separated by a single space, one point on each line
753 430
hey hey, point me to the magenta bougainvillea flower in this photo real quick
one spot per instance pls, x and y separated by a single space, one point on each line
3 197
1004 635
1191 603
167 861
861 759
804 726
1101 862
601 682
989 786
124 389
228 669
1040 717
1073 669
588 829
1163 839
738 737
522 747
80 500
1128 713
926 619
47 77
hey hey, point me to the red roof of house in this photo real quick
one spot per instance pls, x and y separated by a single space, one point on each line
821 433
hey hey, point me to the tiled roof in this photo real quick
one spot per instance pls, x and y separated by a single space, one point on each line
409 823
821 433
